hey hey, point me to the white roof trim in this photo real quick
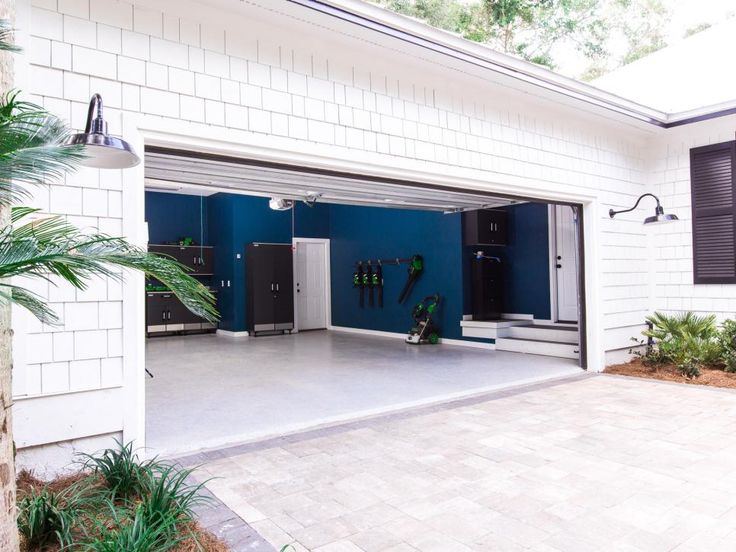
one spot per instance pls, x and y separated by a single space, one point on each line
443 42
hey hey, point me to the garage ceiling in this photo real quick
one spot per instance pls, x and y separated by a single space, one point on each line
184 172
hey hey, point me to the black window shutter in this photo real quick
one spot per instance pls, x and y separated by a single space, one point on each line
712 180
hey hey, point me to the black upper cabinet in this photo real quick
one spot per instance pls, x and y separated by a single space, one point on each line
199 258
270 287
485 227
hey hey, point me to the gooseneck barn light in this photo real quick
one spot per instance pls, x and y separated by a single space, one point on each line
103 151
659 214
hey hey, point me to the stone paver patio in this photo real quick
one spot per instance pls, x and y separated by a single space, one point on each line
590 464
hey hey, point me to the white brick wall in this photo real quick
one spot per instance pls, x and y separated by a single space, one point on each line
347 96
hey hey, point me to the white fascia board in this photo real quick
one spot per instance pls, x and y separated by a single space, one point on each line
454 46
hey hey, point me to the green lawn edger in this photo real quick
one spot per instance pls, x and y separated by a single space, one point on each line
425 330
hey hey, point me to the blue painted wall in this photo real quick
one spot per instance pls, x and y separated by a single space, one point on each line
171 217
372 232
526 260
233 221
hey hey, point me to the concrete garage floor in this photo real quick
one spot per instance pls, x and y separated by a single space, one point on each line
594 463
209 390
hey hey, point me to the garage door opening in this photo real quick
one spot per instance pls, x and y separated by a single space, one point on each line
321 276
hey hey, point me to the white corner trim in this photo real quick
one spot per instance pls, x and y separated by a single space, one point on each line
228 333
397 335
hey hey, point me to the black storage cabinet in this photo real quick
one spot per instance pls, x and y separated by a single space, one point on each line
487 289
485 227
270 287
199 258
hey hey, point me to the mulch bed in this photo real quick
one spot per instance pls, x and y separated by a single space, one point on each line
207 541
710 376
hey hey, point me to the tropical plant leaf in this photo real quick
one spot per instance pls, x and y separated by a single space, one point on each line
50 246
6 37
32 149
30 301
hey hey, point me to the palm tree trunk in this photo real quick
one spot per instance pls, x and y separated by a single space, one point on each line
8 527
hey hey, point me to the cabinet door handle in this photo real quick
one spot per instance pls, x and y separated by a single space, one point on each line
163 315
201 261
277 287
271 286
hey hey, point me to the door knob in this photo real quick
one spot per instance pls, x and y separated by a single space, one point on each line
559 265
559 257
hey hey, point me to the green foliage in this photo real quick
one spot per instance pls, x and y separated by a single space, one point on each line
124 505
136 533
686 340
31 148
32 152
121 469
727 343
51 246
46 517
167 493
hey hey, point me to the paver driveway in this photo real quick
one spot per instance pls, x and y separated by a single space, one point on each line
591 464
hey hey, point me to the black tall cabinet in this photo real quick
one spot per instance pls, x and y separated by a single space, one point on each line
270 287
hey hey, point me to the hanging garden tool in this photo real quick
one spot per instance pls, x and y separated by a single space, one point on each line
416 267
358 282
368 282
378 283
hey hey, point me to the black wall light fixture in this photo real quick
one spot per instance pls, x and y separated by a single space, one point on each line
659 214
102 150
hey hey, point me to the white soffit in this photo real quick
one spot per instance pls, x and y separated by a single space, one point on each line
188 174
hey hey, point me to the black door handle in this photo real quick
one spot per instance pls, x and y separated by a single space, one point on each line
559 266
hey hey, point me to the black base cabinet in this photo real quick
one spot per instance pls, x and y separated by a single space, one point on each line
269 287
165 313
487 277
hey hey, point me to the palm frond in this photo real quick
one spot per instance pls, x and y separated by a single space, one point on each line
6 37
51 246
32 149
35 304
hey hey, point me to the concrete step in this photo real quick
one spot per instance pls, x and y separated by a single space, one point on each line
538 347
544 332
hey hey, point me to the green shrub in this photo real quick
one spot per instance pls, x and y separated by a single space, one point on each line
122 470
167 493
127 531
727 344
46 517
686 340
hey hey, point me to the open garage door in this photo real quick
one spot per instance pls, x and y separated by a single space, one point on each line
476 266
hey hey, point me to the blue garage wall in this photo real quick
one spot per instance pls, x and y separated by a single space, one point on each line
372 232
237 220
233 221
526 260
171 217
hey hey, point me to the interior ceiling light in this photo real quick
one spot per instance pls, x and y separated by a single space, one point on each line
659 214
102 150
280 204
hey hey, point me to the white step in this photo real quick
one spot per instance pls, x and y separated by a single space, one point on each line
538 347
543 332
488 329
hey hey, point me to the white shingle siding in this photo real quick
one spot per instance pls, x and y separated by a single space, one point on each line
347 99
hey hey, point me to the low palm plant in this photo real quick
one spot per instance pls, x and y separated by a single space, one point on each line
686 340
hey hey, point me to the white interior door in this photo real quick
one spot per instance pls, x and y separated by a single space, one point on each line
566 264
311 285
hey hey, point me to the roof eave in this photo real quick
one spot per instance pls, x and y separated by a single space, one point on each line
442 42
